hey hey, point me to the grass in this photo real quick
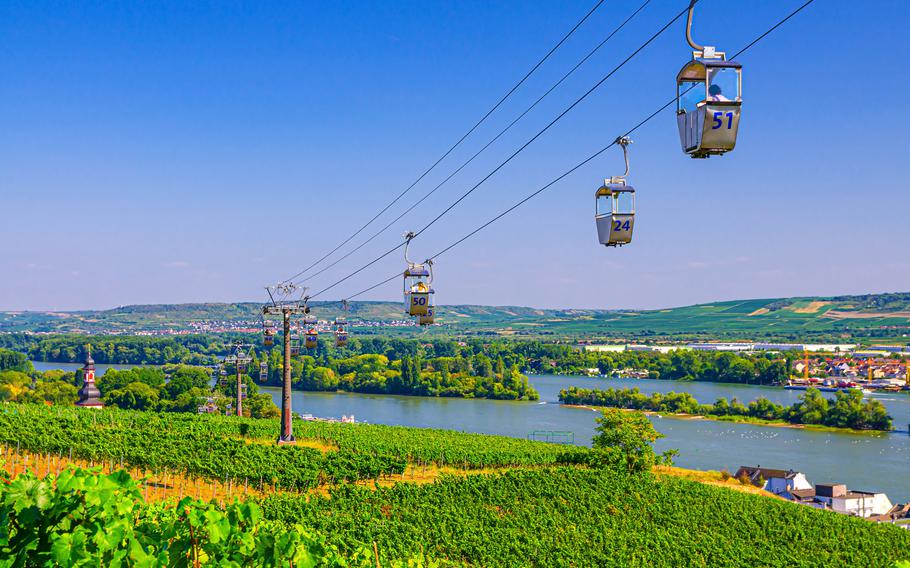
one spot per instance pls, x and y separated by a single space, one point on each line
156 486
714 478
169 485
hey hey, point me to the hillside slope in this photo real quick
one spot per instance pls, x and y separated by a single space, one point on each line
840 317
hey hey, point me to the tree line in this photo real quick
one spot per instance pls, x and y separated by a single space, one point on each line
527 356
474 376
845 410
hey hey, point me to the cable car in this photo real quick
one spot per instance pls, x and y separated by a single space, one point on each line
341 323
417 290
312 333
614 206
268 333
429 318
708 100
341 338
418 280
263 371
295 343
310 338
341 333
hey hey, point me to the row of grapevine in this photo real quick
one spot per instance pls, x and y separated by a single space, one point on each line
586 517
221 436
416 445
169 441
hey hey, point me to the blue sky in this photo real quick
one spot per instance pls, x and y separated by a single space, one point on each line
177 152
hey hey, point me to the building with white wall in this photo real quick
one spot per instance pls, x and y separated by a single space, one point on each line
776 481
860 503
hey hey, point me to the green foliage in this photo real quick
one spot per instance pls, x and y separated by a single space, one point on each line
185 378
261 405
116 379
849 411
678 365
87 519
14 361
123 349
54 392
588 517
13 385
135 396
410 375
53 388
625 440
846 410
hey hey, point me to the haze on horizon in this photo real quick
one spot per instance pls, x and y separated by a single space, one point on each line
173 153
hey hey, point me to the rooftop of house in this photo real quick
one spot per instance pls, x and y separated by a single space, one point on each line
765 472
803 494
859 494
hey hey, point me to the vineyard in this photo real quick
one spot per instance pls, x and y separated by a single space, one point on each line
82 518
494 501
229 448
586 517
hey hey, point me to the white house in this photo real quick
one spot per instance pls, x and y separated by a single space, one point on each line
776 481
859 503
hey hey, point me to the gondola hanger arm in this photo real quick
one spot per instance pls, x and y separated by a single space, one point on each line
407 244
689 39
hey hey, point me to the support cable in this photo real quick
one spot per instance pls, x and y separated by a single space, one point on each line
457 143
583 162
471 159
518 151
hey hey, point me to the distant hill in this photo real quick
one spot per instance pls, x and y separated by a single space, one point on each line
871 315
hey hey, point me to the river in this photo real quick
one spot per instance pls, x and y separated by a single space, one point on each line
871 462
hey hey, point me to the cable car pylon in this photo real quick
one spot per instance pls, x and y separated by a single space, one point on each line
284 302
240 358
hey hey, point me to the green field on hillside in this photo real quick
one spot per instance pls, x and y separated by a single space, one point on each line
874 316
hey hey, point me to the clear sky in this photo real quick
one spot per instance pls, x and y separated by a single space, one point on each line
158 152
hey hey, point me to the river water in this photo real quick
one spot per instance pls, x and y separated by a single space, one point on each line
99 368
871 462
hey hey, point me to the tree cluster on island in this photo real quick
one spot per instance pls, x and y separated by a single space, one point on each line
845 410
